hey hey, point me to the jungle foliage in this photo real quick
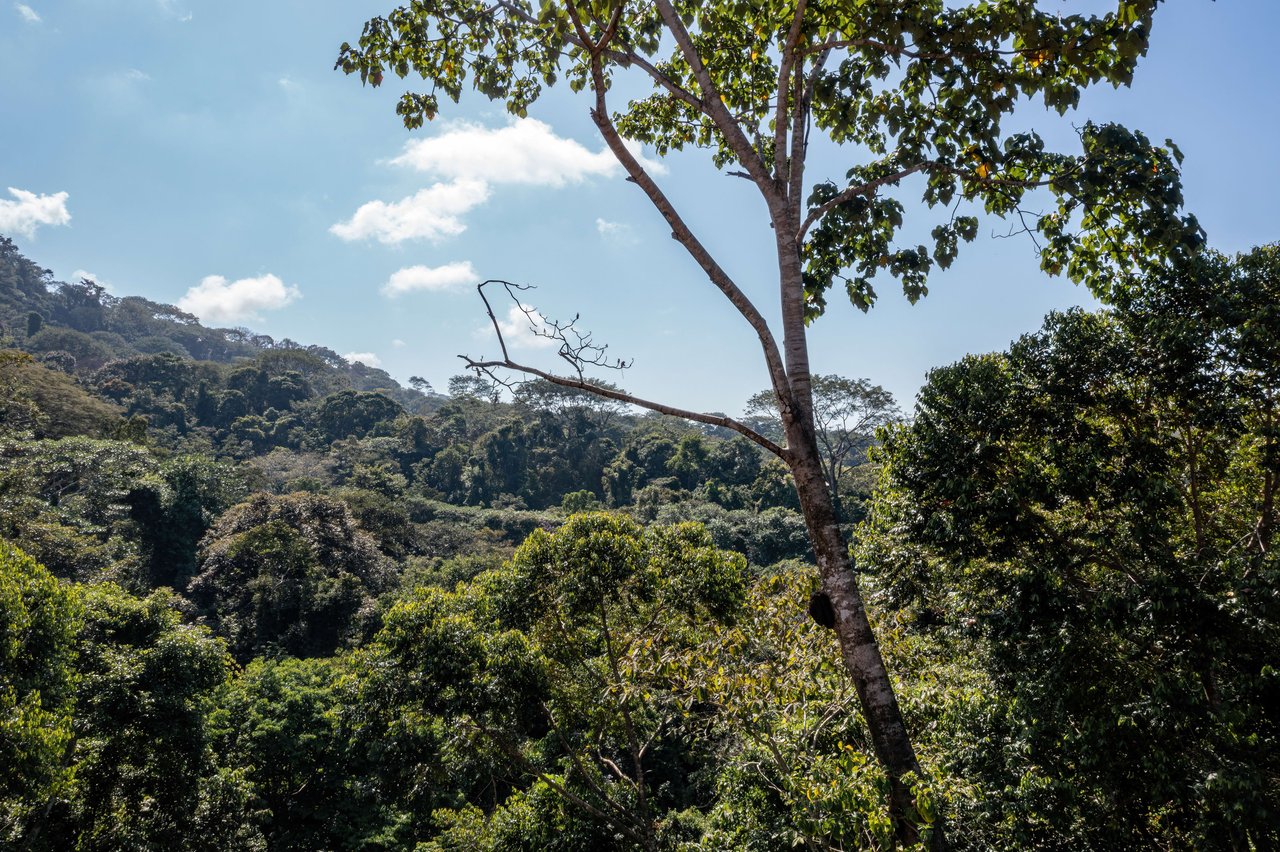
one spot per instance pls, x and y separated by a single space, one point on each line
420 622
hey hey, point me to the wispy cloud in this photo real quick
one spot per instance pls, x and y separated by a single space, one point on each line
120 92
618 233
519 329
524 152
367 358
451 276
432 214
30 211
27 13
471 160
174 9
215 299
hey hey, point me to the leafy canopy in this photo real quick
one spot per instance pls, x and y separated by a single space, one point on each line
921 88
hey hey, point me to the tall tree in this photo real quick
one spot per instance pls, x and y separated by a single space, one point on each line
846 414
917 93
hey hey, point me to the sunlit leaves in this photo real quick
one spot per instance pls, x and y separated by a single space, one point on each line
38 620
562 660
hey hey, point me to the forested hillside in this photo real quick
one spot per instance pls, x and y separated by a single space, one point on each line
255 597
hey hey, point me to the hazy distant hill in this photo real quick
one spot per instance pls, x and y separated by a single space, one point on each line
79 328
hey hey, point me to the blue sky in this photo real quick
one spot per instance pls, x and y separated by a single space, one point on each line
211 158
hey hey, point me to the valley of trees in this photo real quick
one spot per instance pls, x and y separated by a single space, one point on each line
253 596
274 601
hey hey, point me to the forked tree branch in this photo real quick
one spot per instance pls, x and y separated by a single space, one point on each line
622 57
681 233
620 822
712 103
798 155
780 119
506 362
848 193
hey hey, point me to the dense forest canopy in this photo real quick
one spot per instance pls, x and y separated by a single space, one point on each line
256 596
258 604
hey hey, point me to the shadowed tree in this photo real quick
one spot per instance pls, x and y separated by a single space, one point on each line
291 574
1091 512
917 94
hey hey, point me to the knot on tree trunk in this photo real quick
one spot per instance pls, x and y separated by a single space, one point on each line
821 611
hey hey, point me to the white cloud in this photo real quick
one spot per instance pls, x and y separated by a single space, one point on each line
27 13
619 233
471 159
430 213
398 343
451 276
524 152
518 329
366 358
30 211
215 299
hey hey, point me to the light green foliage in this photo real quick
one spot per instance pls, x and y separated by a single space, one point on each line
68 503
47 403
38 622
283 722
109 509
1089 513
795 766
559 665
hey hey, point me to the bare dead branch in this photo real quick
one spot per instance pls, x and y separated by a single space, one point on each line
487 367
576 347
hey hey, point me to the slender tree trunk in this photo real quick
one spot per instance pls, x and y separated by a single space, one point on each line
833 477
858 646
1265 520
